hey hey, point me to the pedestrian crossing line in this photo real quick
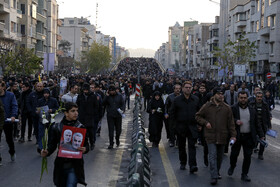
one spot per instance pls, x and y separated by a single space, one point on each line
172 180
275 121
114 175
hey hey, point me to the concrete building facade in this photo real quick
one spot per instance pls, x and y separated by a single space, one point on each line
10 15
260 20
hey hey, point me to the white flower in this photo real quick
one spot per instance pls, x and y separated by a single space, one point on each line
45 121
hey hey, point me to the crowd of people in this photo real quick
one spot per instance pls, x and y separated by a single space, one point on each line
208 112
212 115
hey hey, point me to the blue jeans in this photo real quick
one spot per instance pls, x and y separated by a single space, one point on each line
70 178
216 152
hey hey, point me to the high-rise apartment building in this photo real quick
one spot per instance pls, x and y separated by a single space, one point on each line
175 40
10 15
260 21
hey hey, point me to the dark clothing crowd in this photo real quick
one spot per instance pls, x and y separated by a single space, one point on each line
212 114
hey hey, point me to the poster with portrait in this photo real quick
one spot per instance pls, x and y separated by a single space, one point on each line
71 139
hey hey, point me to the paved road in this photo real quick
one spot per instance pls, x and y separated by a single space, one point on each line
105 167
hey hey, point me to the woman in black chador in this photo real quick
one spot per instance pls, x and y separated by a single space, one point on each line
156 111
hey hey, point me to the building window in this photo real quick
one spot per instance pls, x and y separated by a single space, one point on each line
262 22
15 4
22 29
258 5
71 22
268 21
22 8
241 17
215 33
269 2
271 48
272 21
257 26
13 27
252 27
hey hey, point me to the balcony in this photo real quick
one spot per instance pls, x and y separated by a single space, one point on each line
40 36
4 7
59 23
241 23
41 18
58 37
2 26
264 31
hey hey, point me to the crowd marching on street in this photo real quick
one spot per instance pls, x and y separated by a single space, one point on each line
215 115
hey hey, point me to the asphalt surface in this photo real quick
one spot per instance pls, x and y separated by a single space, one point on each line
105 167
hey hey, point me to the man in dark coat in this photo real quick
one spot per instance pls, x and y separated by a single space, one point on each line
183 111
25 114
247 129
147 93
88 112
52 104
67 171
32 103
168 103
114 105
218 122
264 118
11 111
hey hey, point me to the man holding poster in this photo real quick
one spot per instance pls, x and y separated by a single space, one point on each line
69 164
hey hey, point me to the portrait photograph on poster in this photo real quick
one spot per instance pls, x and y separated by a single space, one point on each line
71 139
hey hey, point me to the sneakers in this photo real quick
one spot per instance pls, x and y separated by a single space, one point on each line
230 171
245 178
193 169
183 167
110 147
92 146
13 157
21 140
213 181
260 157
29 139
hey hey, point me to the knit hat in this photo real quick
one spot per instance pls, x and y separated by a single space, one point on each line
86 86
112 88
46 90
217 90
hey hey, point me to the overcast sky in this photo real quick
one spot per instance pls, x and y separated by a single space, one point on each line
139 23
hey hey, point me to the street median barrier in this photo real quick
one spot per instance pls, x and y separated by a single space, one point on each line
139 172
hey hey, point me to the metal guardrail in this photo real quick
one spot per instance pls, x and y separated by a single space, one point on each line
139 172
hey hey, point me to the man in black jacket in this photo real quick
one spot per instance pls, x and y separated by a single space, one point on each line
114 105
264 117
25 114
183 111
147 93
247 129
32 103
168 103
88 112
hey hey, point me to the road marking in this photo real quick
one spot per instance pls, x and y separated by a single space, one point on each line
114 175
275 121
172 180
